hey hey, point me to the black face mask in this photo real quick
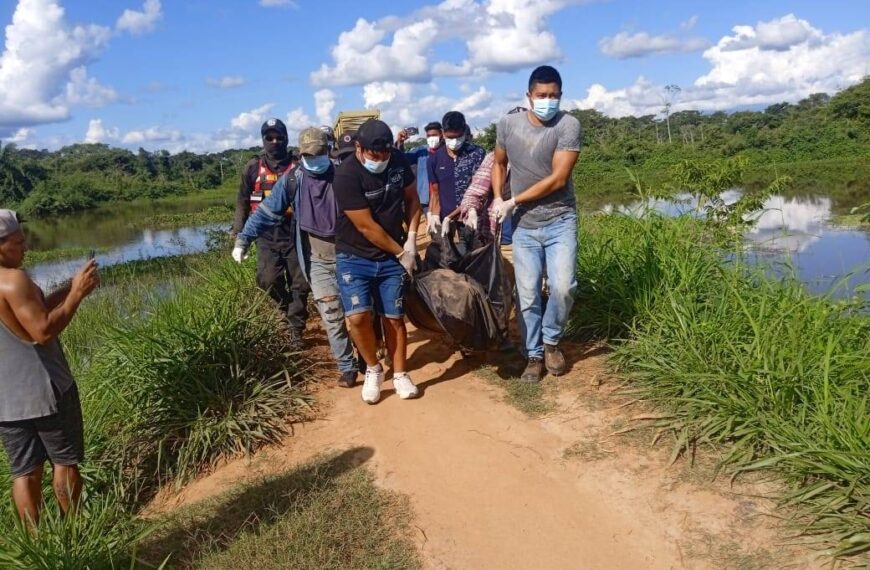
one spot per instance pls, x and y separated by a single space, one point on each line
276 151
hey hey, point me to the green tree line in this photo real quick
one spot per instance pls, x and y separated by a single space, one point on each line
82 176
820 127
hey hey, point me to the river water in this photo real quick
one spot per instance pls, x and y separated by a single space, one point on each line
794 234
790 230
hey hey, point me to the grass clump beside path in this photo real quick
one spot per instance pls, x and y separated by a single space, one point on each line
733 357
171 380
327 514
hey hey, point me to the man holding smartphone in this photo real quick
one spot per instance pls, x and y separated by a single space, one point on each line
40 412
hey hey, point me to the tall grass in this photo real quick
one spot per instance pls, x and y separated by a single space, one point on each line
732 357
172 379
205 376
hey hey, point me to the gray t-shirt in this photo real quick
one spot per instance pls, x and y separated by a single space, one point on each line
32 377
530 151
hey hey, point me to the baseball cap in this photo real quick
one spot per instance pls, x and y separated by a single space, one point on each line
9 223
345 143
375 135
274 125
312 141
454 121
327 130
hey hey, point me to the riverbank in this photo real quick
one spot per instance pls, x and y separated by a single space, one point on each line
176 370
729 358
846 182
720 356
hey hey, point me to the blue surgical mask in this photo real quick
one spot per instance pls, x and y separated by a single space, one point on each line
545 109
375 166
316 164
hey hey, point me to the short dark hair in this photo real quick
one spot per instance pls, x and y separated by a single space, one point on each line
453 121
545 74
433 126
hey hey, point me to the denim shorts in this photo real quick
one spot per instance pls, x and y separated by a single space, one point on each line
367 285
58 437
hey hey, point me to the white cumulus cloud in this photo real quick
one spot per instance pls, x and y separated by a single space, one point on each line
87 91
324 104
784 59
625 45
140 22
407 104
225 82
497 35
98 133
253 119
34 75
360 58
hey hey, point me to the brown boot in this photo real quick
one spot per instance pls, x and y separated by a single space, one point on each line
534 370
554 360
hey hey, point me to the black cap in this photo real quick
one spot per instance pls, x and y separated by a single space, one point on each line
454 121
434 125
345 143
375 135
274 125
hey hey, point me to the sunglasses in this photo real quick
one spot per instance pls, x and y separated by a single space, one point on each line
275 139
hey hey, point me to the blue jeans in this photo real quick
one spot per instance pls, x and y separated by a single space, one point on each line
367 285
324 288
554 245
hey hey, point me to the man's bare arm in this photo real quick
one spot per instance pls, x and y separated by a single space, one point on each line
367 226
413 208
434 198
38 321
563 165
499 171
57 297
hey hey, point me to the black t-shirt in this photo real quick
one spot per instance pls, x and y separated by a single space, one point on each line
356 189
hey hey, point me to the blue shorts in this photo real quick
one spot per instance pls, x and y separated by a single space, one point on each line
366 285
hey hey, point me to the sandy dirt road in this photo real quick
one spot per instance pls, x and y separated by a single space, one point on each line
494 489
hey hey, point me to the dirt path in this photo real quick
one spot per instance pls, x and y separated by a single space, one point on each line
492 488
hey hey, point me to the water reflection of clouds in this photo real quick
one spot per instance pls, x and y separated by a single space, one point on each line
795 230
790 224
150 244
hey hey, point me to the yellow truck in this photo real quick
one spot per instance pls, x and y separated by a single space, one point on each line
351 120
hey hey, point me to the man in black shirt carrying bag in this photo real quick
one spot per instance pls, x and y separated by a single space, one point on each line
376 194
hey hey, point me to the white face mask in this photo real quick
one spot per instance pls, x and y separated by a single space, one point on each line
454 144
433 142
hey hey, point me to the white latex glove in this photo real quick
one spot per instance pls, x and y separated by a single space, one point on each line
411 244
408 261
471 220
503 208
240 252
434 223
445 226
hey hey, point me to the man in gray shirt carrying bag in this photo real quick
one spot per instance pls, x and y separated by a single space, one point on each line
542 146
40 413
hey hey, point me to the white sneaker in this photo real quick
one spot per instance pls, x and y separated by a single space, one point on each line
404 387
371 390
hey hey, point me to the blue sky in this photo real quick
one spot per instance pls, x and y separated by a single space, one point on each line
204 74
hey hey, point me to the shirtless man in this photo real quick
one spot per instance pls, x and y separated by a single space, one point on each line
40 412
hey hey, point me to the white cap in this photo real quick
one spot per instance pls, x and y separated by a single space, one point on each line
9 223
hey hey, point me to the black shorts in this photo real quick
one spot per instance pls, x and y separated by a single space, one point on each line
58 437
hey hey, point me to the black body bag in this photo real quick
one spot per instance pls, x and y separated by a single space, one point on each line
466 296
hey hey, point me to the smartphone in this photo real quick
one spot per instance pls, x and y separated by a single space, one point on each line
411 131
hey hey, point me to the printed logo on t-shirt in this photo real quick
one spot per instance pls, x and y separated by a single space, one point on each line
396 176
